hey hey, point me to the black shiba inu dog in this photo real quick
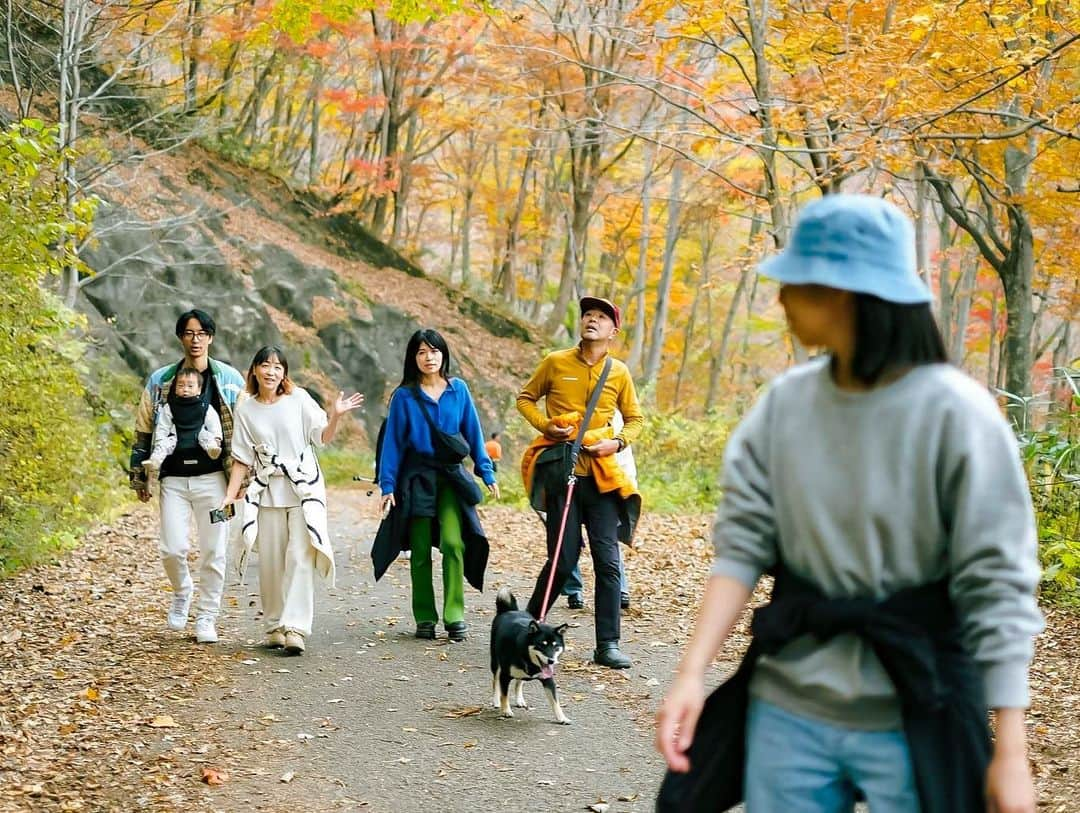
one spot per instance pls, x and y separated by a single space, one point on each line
523 649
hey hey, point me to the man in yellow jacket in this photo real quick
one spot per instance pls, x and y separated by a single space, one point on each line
565 380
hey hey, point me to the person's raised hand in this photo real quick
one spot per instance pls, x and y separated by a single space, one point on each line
342 404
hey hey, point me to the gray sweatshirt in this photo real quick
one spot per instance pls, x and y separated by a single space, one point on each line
867 493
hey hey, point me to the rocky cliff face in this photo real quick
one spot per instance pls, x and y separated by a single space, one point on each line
239 245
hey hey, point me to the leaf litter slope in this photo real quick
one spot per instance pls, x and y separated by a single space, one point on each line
101 709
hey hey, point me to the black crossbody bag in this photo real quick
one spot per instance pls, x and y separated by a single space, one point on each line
449 449
564 456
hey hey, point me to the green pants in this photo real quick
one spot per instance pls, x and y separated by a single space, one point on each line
452 547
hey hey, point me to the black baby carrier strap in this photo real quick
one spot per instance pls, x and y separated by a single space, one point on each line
189 414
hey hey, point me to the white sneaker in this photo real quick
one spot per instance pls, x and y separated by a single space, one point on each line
178 612
205 631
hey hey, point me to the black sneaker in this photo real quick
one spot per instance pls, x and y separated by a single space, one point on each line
457 631
426 630
575 602
624 601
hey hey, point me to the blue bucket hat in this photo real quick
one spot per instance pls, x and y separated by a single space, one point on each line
854 243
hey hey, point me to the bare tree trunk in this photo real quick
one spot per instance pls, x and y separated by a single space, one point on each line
194 38
1017 274
922 222
453 243
663 292
945 284
758 24
962 294
549 236
1061 393
691 323
744 367
73 32
573 266
405 176
505 281
992 351
23 97
247 128
641 280
466 229
316 116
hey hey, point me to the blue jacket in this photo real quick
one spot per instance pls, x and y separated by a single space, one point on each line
407 429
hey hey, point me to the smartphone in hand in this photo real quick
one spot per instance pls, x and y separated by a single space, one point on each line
222 514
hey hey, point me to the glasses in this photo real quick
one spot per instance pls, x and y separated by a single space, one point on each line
195 334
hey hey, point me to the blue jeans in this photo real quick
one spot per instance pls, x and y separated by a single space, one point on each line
575 587
798 765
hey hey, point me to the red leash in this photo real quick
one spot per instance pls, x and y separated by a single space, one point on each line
544 607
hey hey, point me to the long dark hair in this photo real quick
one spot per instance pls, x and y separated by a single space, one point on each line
265 353
410 376
889 336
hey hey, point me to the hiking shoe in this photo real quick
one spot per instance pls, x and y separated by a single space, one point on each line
457 631
575 602
608 654
294 642
275 640
624 601
178 612
205 631
425 630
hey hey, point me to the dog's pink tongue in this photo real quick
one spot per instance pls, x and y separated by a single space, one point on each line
547 671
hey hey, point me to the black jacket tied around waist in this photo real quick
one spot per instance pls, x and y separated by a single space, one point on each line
916 636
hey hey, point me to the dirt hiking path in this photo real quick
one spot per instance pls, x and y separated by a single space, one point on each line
371 718
103 709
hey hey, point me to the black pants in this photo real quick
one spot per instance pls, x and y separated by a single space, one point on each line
600 515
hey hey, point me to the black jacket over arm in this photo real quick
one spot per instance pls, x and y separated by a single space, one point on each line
414 496
915 635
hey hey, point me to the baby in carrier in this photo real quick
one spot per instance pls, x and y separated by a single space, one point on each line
185 419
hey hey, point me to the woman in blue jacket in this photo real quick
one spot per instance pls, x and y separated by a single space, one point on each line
429 500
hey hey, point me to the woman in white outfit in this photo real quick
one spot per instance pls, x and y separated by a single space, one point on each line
284 507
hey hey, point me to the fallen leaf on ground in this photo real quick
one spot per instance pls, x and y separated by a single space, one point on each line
466 711
287 777
163 721
214 776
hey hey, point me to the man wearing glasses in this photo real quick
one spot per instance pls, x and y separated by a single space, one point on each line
192 483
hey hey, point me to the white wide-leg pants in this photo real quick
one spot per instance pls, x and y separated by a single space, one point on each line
286 570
